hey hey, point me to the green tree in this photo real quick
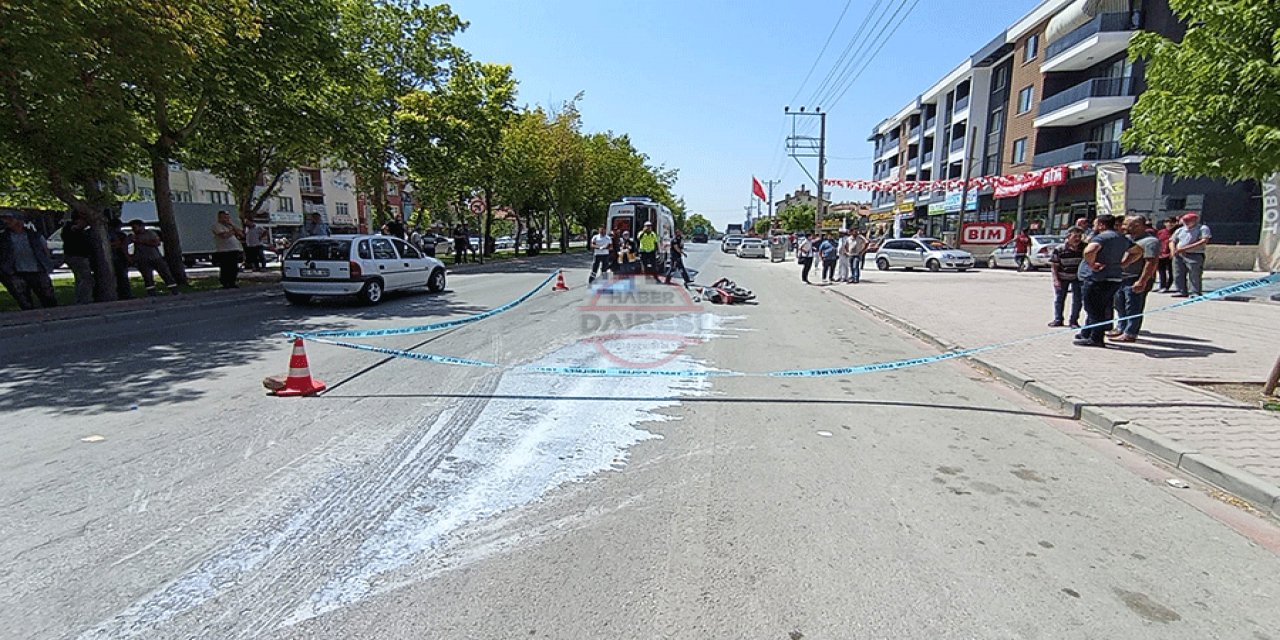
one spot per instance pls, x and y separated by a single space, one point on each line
453 135
526 170
697 221
1212 106
173 58
761 226
797 217
266 122
66 129
401 50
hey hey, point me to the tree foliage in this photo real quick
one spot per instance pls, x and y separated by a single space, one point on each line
697 221
1212 106
797 217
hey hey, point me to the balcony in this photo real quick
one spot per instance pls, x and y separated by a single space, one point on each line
1083 152
927 159
1087 101
309 209
957 145
915 133
961 104
1102 37
311 189
930 123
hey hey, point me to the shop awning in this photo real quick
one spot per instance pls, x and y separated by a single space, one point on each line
1078 14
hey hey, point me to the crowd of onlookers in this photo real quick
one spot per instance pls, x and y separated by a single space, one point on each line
618 253
1109 268
841 255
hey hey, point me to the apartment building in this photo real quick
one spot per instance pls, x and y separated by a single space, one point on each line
328 192
1054 89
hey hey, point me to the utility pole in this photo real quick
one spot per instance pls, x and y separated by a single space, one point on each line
809 147
769 184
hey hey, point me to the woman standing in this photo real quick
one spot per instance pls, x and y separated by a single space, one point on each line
804 255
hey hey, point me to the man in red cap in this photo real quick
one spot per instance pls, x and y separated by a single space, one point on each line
1187 248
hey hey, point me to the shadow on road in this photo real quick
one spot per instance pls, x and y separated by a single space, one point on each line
163 360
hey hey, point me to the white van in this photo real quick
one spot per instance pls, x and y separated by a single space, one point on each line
632 212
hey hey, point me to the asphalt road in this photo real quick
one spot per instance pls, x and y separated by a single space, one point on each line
419 500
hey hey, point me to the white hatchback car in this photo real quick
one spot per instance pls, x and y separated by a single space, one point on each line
352 265
927 253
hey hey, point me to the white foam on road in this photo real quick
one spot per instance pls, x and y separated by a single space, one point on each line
522 447
538 432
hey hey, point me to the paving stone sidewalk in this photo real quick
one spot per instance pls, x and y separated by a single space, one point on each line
1135 391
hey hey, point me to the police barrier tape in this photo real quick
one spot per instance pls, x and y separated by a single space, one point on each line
425 328
806 373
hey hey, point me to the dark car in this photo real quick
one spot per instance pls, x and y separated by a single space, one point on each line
700 238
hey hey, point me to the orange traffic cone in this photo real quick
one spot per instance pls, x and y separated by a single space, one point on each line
560 285
299 382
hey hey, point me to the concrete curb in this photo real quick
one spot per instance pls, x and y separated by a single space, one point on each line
1233 480
39 324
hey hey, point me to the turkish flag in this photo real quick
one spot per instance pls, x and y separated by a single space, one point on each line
758 189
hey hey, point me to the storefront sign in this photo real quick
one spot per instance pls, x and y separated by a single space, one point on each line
1111 188
952 204
986 233
1269 242
906 208
1010 186
881 216
286 217
939 208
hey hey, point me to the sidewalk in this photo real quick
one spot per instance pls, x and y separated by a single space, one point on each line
1135 392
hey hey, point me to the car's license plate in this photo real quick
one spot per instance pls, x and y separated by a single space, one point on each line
314 273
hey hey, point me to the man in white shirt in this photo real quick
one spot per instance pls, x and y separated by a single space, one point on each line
601 245
226 249
843 253
1187 247
255 243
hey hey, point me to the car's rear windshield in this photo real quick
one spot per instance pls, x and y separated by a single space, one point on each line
1048 239
320 250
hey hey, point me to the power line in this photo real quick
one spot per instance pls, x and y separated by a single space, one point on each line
824 50
845 54
854 79
853 62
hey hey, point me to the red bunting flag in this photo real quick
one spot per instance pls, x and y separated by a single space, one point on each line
758 189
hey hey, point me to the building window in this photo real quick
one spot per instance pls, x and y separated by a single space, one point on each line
146 193
1000 79
1020 151
1024 99
304 180
219 197
1032 49
391 188
341 209
285 204
180 196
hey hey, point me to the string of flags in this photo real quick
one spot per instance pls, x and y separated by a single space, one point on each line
1004 186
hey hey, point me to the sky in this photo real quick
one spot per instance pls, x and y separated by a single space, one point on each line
700 85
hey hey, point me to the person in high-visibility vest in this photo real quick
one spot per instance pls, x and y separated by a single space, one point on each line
648 244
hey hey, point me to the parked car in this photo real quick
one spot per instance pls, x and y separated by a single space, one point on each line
927 253
752 248
505 242
1037 255
434 244
365 266
730 243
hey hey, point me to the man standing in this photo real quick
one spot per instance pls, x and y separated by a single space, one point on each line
1065 262
119 242
25 263
1101 274
1086 232
255 244
804 255
828 251
601 247
647 242
77 248
1164 236
147 258
1187 248
315 226
677 260
1132 297
459 244
226 250
395 226
843 257
857 254
1021 245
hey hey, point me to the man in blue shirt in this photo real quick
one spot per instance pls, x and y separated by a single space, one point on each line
1101 275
